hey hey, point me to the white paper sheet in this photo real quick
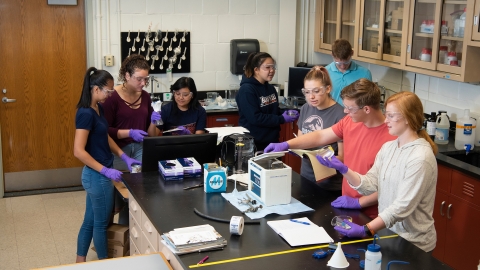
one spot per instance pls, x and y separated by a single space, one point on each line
298 234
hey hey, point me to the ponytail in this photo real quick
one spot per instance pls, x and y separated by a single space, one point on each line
319 73
93 77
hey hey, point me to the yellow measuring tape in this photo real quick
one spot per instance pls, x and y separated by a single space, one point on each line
284 252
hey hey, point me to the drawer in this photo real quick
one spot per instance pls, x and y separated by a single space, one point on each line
147 247
133 248
444 178
222 120
466 187
135 209
135 231
172 259
149 231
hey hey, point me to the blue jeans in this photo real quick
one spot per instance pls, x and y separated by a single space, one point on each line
133 150
97 213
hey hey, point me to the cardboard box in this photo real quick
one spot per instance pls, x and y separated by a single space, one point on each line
397 19
395 45
171 169
118 233
115 249
191 168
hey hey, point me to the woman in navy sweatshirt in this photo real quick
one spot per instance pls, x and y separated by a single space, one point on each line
257 101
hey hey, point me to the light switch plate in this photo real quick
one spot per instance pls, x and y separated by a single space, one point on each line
108 60
167 96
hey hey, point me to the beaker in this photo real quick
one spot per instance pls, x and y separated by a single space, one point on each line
340 221
239 145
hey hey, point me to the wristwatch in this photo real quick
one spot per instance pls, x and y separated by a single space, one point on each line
367 230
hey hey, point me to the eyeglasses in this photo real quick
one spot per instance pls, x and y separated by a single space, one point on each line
108 91
269 67
140 79
343 63
393 116
352 109
314 91
180 94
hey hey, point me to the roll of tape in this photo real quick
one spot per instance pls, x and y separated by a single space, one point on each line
236 225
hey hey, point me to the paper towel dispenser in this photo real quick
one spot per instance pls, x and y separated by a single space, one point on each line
240 49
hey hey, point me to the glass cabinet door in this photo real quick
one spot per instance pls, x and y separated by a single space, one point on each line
452 31
348 21
476 21
392 40
329 24
422 47
371 29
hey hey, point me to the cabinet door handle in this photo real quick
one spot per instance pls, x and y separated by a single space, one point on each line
221 119
229 125
441 209
475 20
448 211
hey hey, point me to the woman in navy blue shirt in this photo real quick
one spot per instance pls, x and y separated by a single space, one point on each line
184 112
93 146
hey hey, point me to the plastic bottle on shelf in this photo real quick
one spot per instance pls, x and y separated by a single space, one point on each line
426 55
444 28
451 56
462 23
423 26
465 132
442 54
443 127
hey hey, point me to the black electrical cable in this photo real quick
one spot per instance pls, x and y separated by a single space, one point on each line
221 219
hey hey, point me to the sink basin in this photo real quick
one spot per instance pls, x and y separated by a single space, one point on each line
471 158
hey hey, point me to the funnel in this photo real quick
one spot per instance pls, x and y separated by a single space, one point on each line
338 259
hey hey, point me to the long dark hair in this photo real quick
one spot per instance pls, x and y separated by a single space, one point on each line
185 82
93 77
255 60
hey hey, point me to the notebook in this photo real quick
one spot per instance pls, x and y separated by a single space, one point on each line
299 234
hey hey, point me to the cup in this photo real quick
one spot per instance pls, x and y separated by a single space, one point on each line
136 168
294 102
159 123
212 96
340 221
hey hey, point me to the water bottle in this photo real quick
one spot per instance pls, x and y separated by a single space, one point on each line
373 257
443 126
465 132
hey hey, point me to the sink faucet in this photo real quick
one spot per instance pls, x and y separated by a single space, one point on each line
383 91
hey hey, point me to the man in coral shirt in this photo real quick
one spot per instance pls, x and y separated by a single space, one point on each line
363 132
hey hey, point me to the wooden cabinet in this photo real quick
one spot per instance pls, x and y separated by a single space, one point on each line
338 19
222 120
286 133
457 215
476 22
407 34
382 28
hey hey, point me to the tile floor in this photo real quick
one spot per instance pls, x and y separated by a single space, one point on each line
40 230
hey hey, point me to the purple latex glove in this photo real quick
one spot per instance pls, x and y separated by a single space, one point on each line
113 174
346 202
155 117
333 162
183 131
129 161
290 118
354 231
276 147
137 134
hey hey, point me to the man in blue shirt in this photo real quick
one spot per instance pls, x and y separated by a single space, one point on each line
343 71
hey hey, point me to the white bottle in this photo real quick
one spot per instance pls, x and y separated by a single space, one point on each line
373 257
443 126
465 132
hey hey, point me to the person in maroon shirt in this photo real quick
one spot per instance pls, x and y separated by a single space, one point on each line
130 116
129 111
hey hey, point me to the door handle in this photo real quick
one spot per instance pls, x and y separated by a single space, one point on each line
441 209
448 211
7 100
